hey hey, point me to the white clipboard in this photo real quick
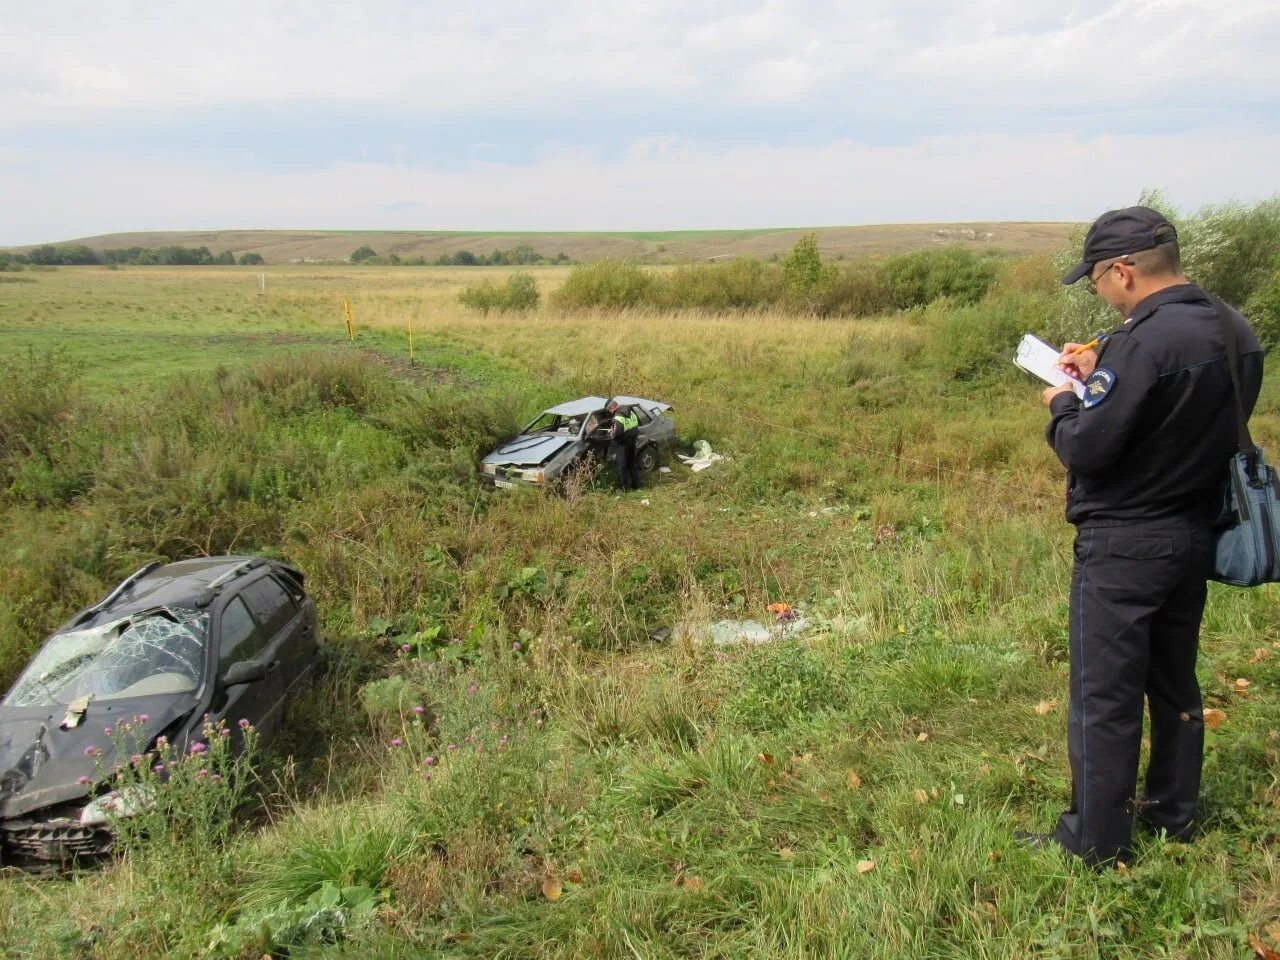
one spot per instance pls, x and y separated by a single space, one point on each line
1041 359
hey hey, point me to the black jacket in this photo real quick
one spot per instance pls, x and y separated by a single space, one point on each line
1157 427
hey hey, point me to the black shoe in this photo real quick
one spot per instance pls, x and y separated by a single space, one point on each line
1036 841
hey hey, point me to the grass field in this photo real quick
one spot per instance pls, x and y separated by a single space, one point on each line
673 246
592 791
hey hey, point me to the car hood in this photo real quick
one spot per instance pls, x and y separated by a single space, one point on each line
41 764
530 449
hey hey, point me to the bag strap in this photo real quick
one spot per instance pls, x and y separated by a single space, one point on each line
1243 438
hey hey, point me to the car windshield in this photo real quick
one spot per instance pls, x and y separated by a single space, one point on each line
160 651
559 425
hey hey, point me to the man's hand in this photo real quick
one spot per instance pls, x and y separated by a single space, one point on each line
1051 392
1078 365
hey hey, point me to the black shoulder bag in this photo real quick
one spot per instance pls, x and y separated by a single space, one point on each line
1248 539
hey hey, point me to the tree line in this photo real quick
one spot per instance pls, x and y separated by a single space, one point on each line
77 254
519 256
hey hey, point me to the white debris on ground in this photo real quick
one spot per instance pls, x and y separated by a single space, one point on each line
724 633
703 457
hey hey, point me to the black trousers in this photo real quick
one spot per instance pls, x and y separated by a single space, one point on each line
1137 595
628 468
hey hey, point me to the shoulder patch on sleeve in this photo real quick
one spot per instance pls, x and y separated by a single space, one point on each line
1098 386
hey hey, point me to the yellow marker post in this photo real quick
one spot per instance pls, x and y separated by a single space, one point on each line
351 327
410 326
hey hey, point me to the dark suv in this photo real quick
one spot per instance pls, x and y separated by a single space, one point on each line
224 637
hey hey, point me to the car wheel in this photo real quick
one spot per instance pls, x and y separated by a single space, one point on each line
647 459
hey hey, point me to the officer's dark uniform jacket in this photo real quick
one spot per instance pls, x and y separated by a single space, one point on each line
1156 428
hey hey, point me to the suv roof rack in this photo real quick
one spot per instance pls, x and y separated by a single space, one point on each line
115 594
206 596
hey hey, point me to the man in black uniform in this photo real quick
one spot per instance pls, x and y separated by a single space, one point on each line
1146 452
623 433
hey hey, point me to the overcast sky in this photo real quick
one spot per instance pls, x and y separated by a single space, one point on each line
625 116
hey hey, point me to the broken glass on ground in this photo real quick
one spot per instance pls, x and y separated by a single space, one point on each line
159 651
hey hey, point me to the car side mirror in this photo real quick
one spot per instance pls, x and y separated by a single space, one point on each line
246 671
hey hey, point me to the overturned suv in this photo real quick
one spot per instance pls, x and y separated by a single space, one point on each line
568 435
222 637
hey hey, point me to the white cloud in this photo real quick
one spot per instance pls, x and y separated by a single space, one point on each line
87 55
802 67
665 184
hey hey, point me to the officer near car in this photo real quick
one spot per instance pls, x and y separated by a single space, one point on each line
1146 451
624 430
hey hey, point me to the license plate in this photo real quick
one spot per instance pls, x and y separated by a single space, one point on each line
505 484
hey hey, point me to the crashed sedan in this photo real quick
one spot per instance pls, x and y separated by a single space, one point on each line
566 436
171 648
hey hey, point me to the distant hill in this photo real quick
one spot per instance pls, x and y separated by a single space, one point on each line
293 246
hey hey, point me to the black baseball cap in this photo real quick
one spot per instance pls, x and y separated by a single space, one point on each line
1119 232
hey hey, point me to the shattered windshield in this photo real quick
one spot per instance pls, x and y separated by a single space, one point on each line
553 423
160 651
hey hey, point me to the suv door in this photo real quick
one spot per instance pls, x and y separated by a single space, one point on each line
287 618
241 637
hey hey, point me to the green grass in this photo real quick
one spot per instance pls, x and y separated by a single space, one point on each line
607 794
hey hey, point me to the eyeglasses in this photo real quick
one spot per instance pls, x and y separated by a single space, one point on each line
1093 281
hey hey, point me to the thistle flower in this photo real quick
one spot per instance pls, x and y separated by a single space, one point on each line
91 751
197 748
428 761
419 710
84 781
472 688
396 741
243 724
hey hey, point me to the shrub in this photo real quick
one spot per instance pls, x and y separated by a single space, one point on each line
363 254
251 260
742 284
806 277
980 339
1263 310
1033 274
1233 248
605 284
518 293
859 290
919 278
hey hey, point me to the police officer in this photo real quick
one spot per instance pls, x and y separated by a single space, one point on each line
623 433
1146 451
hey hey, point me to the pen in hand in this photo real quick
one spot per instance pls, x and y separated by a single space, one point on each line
1070 360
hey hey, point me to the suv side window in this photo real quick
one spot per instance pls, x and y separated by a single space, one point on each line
238 636
641 415
271 606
